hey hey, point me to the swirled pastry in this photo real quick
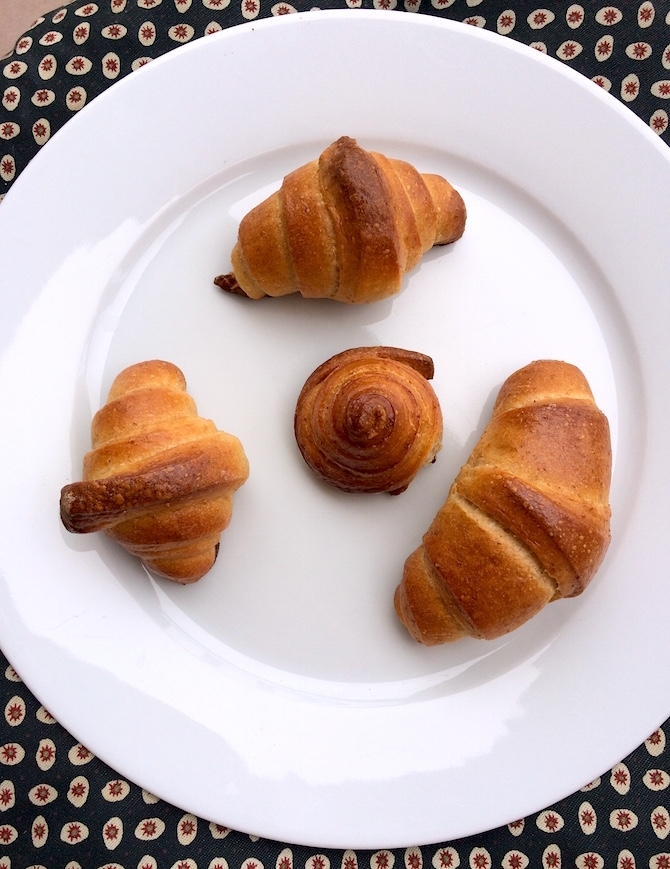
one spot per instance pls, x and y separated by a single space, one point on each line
159 479
368 419
346 226
527 520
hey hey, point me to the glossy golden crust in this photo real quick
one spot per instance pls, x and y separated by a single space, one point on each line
159 479
347 226
526 520
368 420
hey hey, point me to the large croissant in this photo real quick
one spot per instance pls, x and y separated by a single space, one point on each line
346 226
159 479
367 420
526 520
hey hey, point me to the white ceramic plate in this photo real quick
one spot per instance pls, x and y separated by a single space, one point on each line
280 696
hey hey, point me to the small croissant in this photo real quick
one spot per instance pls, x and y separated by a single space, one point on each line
159 479
527 520
347 226
368 420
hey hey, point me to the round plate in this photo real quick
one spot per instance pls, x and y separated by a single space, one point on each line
280 695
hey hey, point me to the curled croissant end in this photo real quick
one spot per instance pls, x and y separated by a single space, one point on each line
527 520
346 226
159 479
368 419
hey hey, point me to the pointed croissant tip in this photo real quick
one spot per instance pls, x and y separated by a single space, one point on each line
229 284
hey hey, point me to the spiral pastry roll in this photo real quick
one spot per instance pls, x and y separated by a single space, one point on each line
160 479
368 419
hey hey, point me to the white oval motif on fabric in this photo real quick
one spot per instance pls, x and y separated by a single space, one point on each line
515 860
604 48
638 50
42 794
114 31
630 87
661 89
78 65
116 790
41 130
74 832
79 754
625 860
85 11
11 98
112 833
7 792
11 753
551 857
44 716
47 67
150 829
588 819
540 18
187 829
23 45
285 859
45 756
111 65
656 779
181 32
147 33
659 121
550 821
506 22
15 69
609 15
569 50
645 15
43 97
51 38
78 791
590 860
574 16
660 822
39 832
623 819
655 744
620 778
602 82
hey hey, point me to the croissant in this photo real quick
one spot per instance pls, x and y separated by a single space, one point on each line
368 419
527 519
346 226
159 479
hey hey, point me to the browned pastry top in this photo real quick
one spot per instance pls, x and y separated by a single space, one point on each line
367 419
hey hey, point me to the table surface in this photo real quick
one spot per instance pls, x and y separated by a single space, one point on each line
60 806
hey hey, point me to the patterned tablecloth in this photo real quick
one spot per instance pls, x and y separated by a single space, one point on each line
60 806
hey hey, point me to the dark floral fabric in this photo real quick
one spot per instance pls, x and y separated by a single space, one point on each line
60 806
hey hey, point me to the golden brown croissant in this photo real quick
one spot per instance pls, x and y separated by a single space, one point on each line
527 518
368 419
159 479
346 226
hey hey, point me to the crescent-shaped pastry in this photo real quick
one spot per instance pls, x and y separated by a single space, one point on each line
347 226
526 521
368 419
159 479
